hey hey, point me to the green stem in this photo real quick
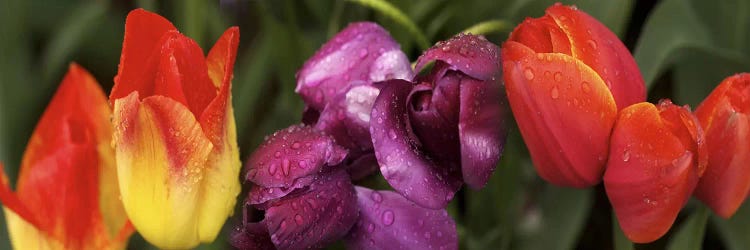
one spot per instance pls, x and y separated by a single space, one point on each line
394 13
487 27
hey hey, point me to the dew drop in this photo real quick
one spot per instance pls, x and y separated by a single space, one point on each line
298 219
363 53
592 44
585 87
376 197
626 155
285 165
370 228
277 154
388 218
555 93
296 145
529 74
272 169
558 77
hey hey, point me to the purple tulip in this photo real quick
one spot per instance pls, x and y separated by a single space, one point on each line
310 202
447 129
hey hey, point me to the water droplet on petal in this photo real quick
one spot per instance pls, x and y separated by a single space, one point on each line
529 74
585 87
388 217
298 219
592 43
558 77
555 93
376 196
272 169
626 155
285 164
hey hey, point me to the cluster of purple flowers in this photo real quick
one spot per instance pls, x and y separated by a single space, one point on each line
367 110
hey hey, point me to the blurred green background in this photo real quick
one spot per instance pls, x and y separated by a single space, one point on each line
683 47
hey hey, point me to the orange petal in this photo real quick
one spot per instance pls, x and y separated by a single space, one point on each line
599 48
564 111
161 153
725 116
652 169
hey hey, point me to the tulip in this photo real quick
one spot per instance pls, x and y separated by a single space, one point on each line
175 139
656 156
724 116
447 129
66 194
309 202
567 76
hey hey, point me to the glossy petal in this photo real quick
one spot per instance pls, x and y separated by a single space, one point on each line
654 165
725 116
473 55
481 129
67 173
362 52
388 221
433 116
292 153
314 219
347 118
403 164
252 236
161 155
564 111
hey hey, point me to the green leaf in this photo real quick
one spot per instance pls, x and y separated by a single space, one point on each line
486 27
387 9
735 231
191 20
690 234
557 221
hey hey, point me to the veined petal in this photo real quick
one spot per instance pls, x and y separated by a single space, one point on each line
725 116
316 218
161 154
403 164
481 129
651 172
564 111
362 52
596 46
471 54
388 221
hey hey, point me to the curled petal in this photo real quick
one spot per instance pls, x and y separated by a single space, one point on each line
725 117
251 236
362 52
347 118
433 115
322 215
290 154
388 221
471 54
406 167
651 172
564 111
481 129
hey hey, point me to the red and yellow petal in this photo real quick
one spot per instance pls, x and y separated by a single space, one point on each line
161 154
564 111
651 171
725 116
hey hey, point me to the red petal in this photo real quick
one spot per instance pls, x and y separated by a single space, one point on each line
542 35
220 63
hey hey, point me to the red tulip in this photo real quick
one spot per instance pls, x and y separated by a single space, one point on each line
656 156
567 76
66 194
725 116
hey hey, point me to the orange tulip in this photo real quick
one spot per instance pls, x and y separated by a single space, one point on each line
656 156
175 140
566 77
725 115
67 194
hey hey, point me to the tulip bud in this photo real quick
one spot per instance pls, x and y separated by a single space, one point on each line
175 139
656 156
724 116
566 76
66 194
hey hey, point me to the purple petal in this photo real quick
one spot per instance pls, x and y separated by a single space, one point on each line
347 118
470 54
481 129
388 221
316 218
434 118
406 168
362 52
251 236
260 196
292 153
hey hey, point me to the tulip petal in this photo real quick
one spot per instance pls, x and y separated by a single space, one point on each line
143 32
434 114
471 54
481 129
362 52
724 115
161 153
290 154
650 173
347 118
251 236
564 111
263 197
406 168
316 218
388 221
599 48
542 35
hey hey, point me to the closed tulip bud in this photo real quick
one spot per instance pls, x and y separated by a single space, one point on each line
656 157
724 116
